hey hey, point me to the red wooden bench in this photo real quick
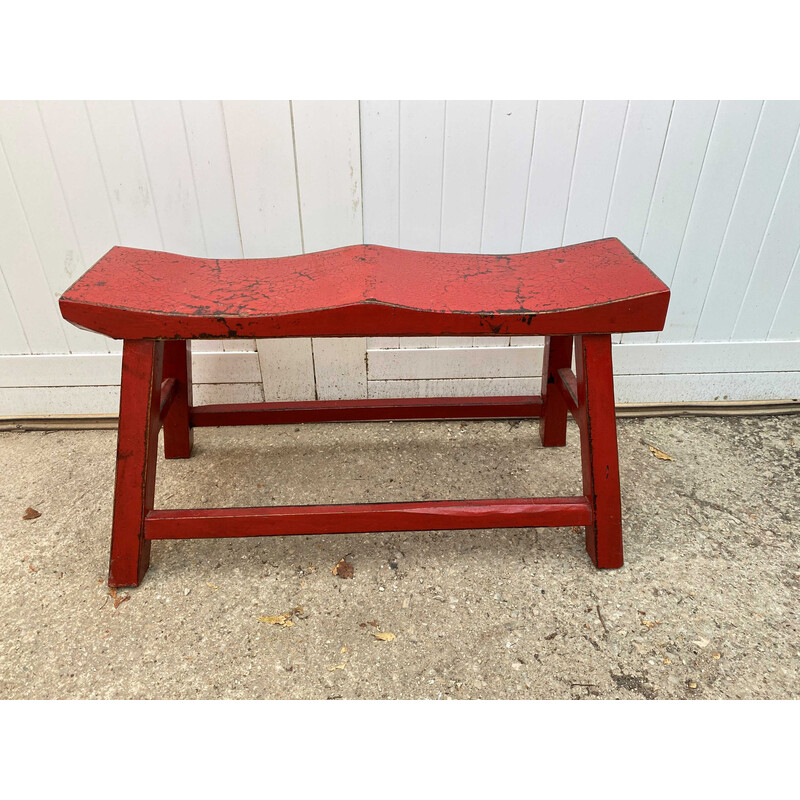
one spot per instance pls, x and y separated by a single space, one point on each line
157 302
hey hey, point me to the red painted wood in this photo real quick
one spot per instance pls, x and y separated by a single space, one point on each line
367 290
440 515
168 387
596 417
366 410
584 291
553 422
178 434
137 444
568 385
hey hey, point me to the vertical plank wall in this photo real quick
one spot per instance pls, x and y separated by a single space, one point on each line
225 180
706 192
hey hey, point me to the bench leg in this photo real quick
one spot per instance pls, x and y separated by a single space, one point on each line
178 433
598 426
137 448
553 422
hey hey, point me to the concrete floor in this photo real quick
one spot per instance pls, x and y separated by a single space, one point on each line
705 607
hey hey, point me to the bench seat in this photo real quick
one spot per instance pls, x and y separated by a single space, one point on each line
368 290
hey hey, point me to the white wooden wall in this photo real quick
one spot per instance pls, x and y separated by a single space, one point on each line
707 193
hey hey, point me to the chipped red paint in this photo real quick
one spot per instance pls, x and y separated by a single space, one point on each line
156 302
366 290
137 443
597 421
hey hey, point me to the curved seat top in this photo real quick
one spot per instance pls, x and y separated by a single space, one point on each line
368 290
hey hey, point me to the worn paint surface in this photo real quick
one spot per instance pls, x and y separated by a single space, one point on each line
574 294
368 290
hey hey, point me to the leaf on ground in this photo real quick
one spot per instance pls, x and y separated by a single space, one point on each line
119 599
212 586
660 453
32 568
284 620
649 624
344 649
31 513
384 637
343 569
338 666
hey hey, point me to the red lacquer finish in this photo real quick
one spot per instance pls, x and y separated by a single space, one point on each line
367 290
157 302
429 515
595 386
553 422
414 408
137 442
178 434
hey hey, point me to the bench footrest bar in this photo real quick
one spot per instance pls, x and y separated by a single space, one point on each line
439 515
374 410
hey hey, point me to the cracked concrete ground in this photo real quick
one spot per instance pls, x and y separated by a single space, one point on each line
705 607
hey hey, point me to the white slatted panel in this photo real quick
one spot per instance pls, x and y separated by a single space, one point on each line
676 184
34 301
71 140
116 137
466 148
12 336
38 188
637 167
752 211
726 156
329 187
421 170
596 158
557 124
773 265
786 325
510 146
